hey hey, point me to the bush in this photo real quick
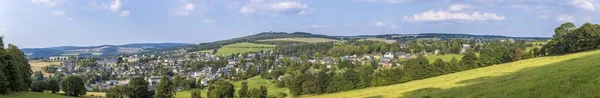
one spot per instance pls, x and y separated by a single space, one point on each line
73 86
38 86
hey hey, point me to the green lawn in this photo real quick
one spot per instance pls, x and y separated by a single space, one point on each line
254 82
446 58
571 76
46 95
243 48
308 40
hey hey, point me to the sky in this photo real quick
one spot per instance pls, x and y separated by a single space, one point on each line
47 23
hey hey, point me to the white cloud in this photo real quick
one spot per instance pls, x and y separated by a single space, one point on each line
459 7
275 8
115 6
58 13
583 4
379 24
565 18
319 26
209 21
50 3
442 15
124 13
184 10
386 1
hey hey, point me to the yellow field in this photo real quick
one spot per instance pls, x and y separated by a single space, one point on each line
37 65
455 79
380 40
308 40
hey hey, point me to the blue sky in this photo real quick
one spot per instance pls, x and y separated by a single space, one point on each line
46 23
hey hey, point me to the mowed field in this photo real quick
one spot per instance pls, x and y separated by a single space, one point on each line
243 48
253 82
446 58
308 40
573 75
37 65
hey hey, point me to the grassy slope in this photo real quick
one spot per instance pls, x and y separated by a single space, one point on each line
254 82
46 95
523 78
308 40
243 48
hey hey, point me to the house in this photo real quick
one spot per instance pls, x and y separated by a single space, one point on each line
385 62
465 48
389 55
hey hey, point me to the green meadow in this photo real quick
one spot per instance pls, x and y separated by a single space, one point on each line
571 76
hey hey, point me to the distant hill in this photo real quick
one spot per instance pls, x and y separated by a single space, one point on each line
278 38
440 36
252 38
99 51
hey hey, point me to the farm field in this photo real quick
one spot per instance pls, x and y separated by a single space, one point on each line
308 40
37 65
243 48
380 40
446 58
572 75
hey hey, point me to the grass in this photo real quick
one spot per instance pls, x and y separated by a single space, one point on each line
446 58
573 78
538 45
256 82
37 65
573 75
253 82
49 95
243 48
308 40
380 40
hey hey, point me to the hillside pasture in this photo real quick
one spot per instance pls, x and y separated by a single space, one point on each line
254 82
446 58
243 48
576 76
379 40
307 40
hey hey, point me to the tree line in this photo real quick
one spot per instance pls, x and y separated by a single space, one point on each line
303 77
569 39
15 71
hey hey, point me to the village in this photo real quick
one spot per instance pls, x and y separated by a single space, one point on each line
104 73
